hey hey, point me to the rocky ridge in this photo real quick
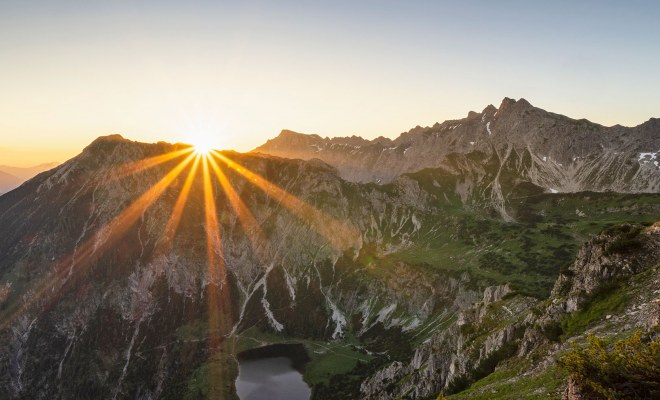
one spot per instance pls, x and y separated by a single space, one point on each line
561 154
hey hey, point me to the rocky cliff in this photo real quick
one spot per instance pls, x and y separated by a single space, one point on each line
559 153
515 334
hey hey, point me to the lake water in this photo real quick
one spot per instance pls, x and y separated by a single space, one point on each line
267 374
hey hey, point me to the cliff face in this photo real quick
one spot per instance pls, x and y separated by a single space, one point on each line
561 154
481 333
506 329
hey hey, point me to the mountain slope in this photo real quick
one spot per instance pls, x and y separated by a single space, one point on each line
123 274
565 155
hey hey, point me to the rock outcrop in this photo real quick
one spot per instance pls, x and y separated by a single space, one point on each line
508 326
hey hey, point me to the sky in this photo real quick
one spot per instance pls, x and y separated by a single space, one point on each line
238 72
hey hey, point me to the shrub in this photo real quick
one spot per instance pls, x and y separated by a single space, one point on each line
626 369
552 330
627 239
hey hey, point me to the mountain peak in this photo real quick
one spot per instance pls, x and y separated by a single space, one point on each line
524 103
110 138
287 132
509 104
506 103
102 143
490 109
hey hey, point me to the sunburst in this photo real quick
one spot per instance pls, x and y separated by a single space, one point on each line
202 144
212 162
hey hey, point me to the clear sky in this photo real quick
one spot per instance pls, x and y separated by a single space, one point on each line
240 71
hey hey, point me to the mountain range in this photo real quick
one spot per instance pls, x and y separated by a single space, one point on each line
12 177
462 260
552 151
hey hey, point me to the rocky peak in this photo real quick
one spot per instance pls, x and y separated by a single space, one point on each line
102 142
505 104
293 136
489 110
514 107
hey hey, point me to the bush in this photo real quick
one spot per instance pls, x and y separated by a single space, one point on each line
627 239
552 330
626 369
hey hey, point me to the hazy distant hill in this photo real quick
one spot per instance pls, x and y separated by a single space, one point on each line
8 182
12 177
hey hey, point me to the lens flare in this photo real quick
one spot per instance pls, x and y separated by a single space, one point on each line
202 144
212 167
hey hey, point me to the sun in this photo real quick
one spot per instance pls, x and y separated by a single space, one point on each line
202 144
202 149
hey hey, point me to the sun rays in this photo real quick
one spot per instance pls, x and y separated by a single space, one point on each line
215 174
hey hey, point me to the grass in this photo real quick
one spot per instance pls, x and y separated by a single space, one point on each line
608 301
327 358
529 252
195 330
213 371
510 382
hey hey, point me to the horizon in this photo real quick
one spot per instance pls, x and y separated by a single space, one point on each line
76 152
241 73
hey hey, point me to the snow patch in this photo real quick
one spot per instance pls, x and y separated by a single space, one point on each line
651 156
646 158
488 128
554 190
385 312
269 314
338 318
290 282
412 324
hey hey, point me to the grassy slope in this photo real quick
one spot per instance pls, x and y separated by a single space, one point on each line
529 252
517 378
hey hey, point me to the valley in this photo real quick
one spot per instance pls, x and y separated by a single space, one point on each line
143 271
